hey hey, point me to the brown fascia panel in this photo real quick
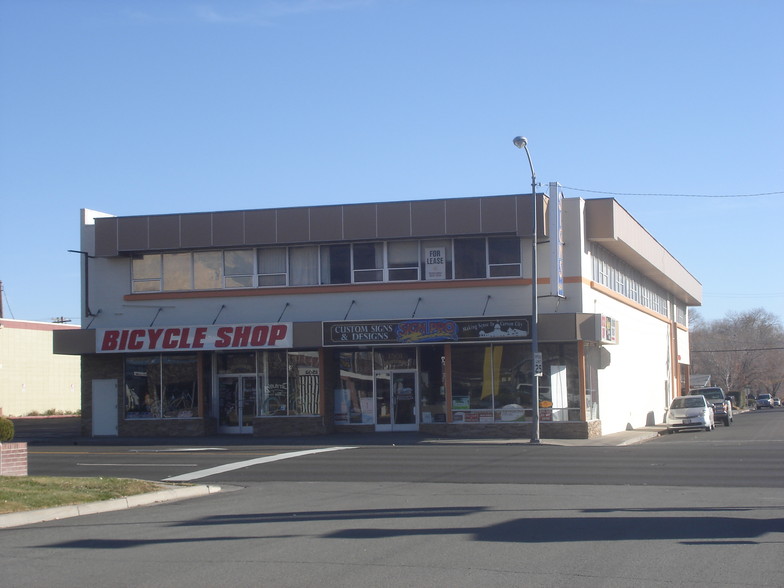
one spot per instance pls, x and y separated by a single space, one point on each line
319 224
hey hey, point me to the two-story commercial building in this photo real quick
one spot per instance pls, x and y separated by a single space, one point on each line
387 316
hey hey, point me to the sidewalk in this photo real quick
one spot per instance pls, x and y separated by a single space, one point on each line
30 517
66 431
621 439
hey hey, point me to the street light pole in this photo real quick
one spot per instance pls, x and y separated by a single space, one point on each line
522 143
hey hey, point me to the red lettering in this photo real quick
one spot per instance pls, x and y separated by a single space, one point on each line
109 342
198 337
134 341
123 340
170 338
259 337
184 339
224 337
278 333
241 337
154 335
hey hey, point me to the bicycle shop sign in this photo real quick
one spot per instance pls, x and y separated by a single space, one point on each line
197 338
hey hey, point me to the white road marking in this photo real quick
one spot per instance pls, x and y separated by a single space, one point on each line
182 449
247 463
136 465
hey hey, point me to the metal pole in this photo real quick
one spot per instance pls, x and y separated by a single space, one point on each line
522 143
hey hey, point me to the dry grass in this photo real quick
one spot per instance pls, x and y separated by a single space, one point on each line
20 493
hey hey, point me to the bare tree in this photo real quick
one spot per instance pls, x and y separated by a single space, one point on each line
742 352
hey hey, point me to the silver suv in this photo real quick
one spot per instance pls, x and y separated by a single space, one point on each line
764 401
722 407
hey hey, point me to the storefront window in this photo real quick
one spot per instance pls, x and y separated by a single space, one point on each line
142 387
432 395
291 383
180 394
303 367
395 358
237 363
592 364
161 386
275 392
354 397
493 383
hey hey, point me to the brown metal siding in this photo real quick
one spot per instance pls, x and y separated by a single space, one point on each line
463 216
394 220
164 232
318 224
132 233
326 224
106 237
294 225
261 227
196 230
228 229
360 222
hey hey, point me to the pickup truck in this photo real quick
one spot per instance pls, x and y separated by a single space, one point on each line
722 406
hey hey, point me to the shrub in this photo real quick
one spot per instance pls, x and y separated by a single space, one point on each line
6 429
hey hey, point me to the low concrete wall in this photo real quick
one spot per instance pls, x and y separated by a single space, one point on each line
547 430
292 426
167 427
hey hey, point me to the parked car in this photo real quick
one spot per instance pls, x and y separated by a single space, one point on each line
764 401
689 412
722 407
776 401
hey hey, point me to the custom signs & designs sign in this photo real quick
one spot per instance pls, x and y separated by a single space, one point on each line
425 331
194 338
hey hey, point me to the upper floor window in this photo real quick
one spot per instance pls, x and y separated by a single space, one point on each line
403 260
504 258
470 259
336 264
177 271
303 266
368 262
343 263
272 266
238 268
207 270
146 273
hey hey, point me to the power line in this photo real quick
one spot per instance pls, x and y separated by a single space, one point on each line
737 350
673 195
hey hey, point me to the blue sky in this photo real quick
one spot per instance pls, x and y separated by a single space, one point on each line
136 107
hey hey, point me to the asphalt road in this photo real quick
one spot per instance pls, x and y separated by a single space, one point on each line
750 453
680 510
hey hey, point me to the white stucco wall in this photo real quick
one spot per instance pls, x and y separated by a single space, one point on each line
634 387
32 378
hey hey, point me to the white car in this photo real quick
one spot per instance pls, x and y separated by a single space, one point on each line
688 413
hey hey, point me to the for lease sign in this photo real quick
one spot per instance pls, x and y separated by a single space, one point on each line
194 338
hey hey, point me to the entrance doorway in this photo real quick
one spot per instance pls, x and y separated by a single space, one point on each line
397 398
236 404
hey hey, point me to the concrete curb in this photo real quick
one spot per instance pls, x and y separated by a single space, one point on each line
16 519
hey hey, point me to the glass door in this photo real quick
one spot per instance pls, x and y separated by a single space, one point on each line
396 400
236 404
